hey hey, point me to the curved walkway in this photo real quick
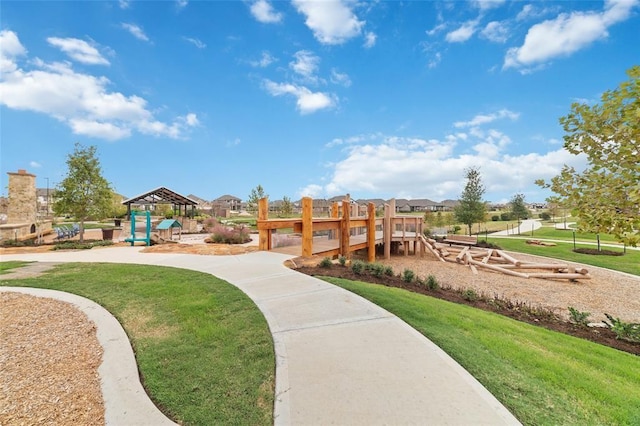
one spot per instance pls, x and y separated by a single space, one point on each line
339 358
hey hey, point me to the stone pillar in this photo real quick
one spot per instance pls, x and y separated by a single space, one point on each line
22 197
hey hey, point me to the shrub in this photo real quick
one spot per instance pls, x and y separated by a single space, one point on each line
578 317
505 216
377 269
432 283
470 295
408 275
77 245
495 218
358 267
221 234
326 262
624 330
388 271
545 216
342 260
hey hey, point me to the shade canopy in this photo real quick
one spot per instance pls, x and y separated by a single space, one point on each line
162 195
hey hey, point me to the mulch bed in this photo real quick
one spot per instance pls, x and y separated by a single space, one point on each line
518 311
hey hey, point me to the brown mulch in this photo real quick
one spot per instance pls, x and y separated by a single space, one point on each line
50 356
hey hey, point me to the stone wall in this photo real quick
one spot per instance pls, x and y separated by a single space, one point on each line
22 197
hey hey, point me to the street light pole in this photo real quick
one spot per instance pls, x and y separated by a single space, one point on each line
47 196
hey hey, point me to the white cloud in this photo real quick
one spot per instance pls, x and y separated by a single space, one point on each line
11 49
196 42
418 168
35 164
489 4
331 21
340 78
435 60
265 60
136 31
435 30
370 40
79 50
305 64
181 4
307 101
566 34
124 4
463 33
495 31
263 11
81 101
488 118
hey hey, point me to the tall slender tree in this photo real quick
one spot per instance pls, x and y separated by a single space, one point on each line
518 208
471 208
84 192
256 194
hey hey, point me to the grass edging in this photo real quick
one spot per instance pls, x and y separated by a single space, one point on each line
541 376
204 350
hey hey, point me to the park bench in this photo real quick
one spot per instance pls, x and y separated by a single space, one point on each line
466 240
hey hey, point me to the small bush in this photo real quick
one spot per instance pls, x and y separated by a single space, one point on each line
495 218
221 234
358 267
388 271
408 275
545 216
578 317
77 245
505 216
624 330
326 262
377 270
342 260
432 283
470 295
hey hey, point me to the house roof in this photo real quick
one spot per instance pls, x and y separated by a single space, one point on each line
161 195
227 198
169 223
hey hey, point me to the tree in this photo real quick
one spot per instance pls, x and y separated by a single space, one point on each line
287 206
472 208
84 193
256 194
606 195
518 208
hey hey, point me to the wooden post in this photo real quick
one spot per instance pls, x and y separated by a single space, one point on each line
345 229
386 231
307 227
335 213
264 235
371 232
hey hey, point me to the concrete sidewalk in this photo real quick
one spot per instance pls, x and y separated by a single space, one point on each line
339 358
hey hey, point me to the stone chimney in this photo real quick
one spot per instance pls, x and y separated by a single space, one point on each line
22 197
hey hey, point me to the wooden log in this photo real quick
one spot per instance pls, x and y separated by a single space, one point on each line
489 254
499 269
560 275
433 251
444 253
509 258
556 266
461 255
468 259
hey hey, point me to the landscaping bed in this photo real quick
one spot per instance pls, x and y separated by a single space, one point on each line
457 288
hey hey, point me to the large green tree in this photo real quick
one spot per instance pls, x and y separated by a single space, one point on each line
471 208
606 195
256 194
84 193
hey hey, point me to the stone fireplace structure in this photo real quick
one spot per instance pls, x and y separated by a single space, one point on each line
22 217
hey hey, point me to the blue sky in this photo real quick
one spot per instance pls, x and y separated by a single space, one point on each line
378 99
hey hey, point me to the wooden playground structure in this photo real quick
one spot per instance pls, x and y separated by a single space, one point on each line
346 232
341 234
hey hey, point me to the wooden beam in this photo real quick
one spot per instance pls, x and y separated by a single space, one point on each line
345 229
386 231
264 234
509 258
307 227
371 232
499 269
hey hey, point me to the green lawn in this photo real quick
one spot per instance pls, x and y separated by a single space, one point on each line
630 262
560 234
6 267
542 377
203 348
